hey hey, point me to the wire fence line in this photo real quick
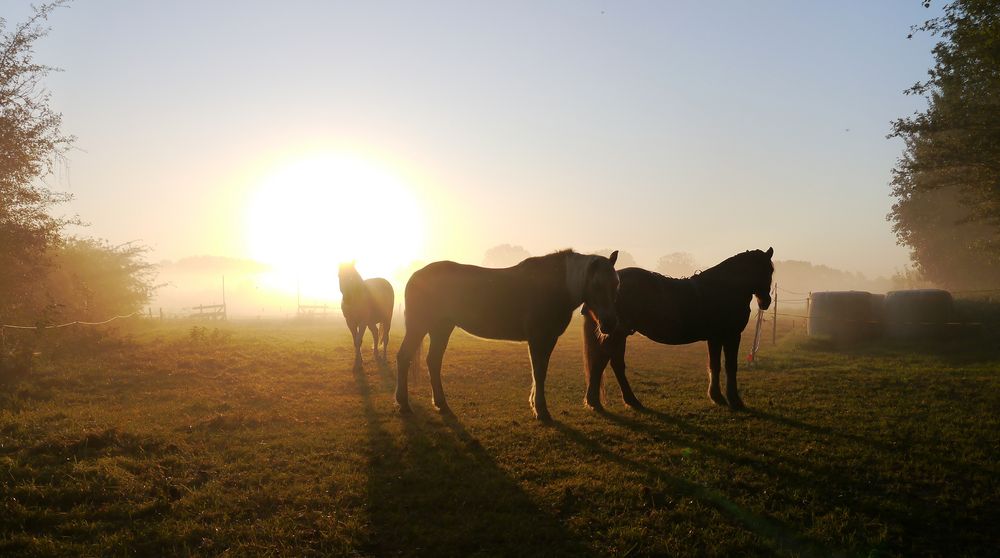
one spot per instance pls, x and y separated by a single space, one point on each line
784 290
77 322
967 291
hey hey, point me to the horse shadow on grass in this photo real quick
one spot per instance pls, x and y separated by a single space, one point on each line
780 536
829 481
433 490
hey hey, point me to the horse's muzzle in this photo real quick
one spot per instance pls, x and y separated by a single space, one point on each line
763 301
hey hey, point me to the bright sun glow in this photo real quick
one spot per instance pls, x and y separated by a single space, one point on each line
307 217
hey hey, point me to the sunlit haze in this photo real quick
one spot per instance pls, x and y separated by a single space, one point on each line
311 214
292 136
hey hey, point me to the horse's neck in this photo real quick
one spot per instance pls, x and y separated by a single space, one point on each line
725 274
352 286
576 275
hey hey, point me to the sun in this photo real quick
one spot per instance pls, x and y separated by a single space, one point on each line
306 217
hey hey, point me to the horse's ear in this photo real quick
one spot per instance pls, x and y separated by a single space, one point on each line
770 252
613 257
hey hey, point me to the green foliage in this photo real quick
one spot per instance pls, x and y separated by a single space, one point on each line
269 444
947 182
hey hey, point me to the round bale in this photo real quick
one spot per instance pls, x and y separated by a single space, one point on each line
917 313
877 328
842 315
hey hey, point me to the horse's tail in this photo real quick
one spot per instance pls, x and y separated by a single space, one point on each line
593 352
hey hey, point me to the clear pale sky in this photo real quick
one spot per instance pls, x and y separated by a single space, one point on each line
702 126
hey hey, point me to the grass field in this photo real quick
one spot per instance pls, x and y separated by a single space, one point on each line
257 438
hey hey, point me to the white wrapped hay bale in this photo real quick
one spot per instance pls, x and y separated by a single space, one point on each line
917 313
842 315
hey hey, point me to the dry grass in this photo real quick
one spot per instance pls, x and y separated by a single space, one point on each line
259 439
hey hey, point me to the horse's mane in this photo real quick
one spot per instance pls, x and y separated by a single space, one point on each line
727 265
548 259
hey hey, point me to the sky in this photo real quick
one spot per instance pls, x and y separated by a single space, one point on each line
436 130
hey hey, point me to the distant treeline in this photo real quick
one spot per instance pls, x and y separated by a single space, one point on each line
791 275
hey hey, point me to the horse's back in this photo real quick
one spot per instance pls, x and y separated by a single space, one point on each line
382 297
677 311
487 302
661 308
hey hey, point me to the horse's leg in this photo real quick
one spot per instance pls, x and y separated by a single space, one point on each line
386 326
714 367
357 333
732 351
361 338
595 360
407 349
540 350
617 350
374 329
435 356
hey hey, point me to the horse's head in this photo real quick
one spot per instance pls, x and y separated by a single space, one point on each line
348 275
760 273
600 289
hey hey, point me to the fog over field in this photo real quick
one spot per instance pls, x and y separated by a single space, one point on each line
445 278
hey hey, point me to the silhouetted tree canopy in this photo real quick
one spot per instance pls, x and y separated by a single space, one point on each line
505 255
43 276
30 141
677 264
947 182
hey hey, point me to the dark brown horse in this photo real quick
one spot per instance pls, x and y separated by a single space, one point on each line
712 306
532 301
367 303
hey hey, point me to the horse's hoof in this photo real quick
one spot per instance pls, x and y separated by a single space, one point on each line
404 409
543 417
595 406
718 399
736 404
444 409
634 404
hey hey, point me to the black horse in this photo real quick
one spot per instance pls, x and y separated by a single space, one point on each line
532 301
712 306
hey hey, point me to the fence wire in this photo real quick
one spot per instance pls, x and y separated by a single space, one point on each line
67 324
